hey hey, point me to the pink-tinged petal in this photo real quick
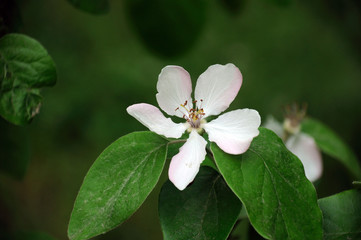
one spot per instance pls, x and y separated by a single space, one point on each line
174 88
153 118
234 131
305 148
217 87
272 124
185 165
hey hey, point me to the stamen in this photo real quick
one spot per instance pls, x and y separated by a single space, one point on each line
192 113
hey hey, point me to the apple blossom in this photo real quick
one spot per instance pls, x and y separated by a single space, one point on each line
215 90
299 143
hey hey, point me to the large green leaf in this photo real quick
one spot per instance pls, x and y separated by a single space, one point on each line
169 28
207 209
25 67
270 181
331 144
91 6
117 184
342 215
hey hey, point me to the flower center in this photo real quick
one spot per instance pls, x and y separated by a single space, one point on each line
294 114
192 115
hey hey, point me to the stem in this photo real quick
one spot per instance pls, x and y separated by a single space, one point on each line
177 141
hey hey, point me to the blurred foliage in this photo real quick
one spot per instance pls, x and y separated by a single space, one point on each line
10 17
342 215
15 150
91 6
328 141
234 7
307 51
25 68
28 235
169 28
281 2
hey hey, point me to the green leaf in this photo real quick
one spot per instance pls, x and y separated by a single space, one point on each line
168 28
25 67
91 6
330 143
342 215
117 184
209 162
270 181
206 209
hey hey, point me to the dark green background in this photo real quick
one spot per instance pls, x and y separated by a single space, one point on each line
304 51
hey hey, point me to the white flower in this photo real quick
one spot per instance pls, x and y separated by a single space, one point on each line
215 90
300 144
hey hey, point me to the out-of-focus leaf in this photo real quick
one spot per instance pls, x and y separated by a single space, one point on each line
23 235
270 181
342 215
169 28
233 6
281 2
14 149
206 209
331 144
117 184
25 67
91 6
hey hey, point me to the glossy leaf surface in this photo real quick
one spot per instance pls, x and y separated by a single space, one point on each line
117 184
207 209
270 181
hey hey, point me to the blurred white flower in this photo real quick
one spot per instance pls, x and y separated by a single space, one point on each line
300 144
216 88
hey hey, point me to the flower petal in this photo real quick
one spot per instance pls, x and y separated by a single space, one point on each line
217 87
305 148
272 124
234 131
153 118
174 88
185 165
